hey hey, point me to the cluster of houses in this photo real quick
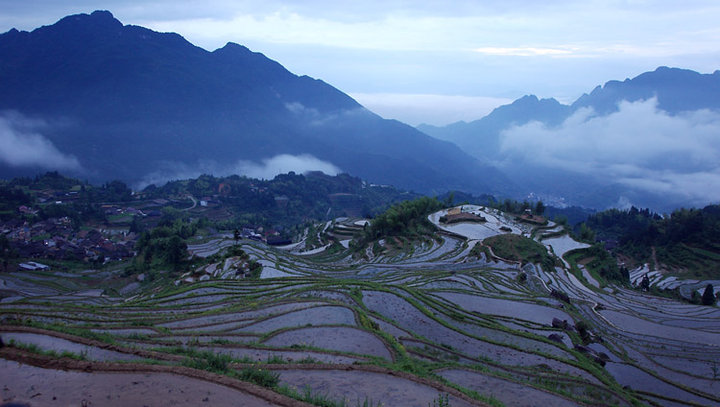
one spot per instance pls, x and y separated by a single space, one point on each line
55 238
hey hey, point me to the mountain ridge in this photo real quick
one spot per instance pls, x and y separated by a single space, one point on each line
607 92
672 96
135 102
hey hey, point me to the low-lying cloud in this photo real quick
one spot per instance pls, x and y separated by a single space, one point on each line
22 145
639 146
284 163
265 169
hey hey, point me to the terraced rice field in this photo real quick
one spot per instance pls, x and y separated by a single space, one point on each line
403 328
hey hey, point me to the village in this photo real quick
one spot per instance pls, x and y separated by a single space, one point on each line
57 220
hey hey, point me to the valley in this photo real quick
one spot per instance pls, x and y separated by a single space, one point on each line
415 321
211 247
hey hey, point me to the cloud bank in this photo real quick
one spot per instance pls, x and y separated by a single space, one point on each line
639 146
265 169
22 145
284 163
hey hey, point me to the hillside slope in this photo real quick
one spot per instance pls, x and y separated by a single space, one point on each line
126 102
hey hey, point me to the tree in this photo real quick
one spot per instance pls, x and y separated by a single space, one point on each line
586 234
7 251
175 251
136 226
450 199
117 191
708 297
539 208
645 283
236 236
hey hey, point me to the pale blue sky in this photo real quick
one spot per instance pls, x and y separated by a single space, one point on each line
433 61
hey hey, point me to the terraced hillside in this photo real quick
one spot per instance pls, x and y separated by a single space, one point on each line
441 321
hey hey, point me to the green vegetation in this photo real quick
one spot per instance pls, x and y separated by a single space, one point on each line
6 251
261 377
32 348
253 270
212 362
518 248
286 202
256 374
165 245
517 207
687 239
599 262
321 400
170 314
708 297
442 400
220 363
407 219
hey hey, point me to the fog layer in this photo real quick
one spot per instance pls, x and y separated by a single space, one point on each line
638 146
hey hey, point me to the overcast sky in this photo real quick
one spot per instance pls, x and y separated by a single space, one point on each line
432 61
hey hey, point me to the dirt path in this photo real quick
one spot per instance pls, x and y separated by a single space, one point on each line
194 203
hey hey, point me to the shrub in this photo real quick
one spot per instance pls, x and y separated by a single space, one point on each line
708 297
261 377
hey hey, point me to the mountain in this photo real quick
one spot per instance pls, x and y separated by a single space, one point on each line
481 137
104 100
677 90
640 141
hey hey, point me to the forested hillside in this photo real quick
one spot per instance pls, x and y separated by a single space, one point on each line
686 241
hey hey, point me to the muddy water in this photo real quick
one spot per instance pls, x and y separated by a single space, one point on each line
358 386
47 342
333 338
631 376
235 316
46 387
126 332
509 393
408 317
313 316
514 309
644 327
264 355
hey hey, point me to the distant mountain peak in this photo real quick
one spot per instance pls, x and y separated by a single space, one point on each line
96 18
676 90
532 100
103 14
135 103
234 46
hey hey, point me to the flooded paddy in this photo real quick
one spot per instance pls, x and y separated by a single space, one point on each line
358 386
641 326
59 345
327 315
49 387
507 392
514 309
282 355
563 244
410 318
467 319
237 316
342 339
125 331
639 380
